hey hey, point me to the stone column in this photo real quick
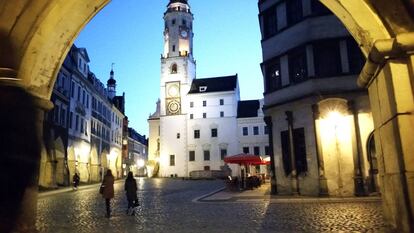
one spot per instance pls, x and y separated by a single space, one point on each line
323 182
391 98
357 151
294 174
21 124
273 181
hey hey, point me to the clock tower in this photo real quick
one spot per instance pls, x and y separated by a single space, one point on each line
177 62
178 69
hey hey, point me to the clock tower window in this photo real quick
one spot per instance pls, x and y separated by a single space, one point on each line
173 48
174 69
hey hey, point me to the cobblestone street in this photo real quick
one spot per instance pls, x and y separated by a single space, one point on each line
167 206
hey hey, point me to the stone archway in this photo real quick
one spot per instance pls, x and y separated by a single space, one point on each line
36 35
384 31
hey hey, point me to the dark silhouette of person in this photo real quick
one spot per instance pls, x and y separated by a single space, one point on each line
108 191
131 192
76 180
19 153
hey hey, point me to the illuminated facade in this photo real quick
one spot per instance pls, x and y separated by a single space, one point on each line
321 120
84 130
137 158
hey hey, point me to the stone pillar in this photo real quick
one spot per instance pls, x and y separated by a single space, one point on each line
294 174
273 181
392 102
357 152
323 182
21 134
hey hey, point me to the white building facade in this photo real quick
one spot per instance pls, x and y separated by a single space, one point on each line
195 124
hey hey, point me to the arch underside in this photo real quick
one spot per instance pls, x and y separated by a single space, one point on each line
38 34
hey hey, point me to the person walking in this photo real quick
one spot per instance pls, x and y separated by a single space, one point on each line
131 193
76 180
108 191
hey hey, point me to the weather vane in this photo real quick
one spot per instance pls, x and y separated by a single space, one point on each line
112 65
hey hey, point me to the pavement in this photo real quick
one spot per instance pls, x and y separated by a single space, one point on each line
262 193
203 206
60 190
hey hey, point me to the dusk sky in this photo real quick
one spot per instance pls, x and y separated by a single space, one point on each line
129 33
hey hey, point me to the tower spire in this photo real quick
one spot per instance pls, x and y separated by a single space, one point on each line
111 84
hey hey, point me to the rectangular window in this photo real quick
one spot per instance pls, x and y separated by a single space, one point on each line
245 131
213 133
197 133
273 76
246 150
221 101
294 11
300 151
191 155
83 97
172 160
87 101
221 114
204 115
72 90
327 58
191 104
206 168
86 128
184 22
93 103
206 155
63 117
298 69
204 103
173 48
355 57
173 21
70 120
256 150
256 130
269 22
267 150
77 122
81 126
223 153
191 116
266 130
79 92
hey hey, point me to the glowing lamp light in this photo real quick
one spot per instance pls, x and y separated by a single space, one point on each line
335 117
140 163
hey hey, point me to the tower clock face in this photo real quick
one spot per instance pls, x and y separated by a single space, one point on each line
173 91
184 33
174 107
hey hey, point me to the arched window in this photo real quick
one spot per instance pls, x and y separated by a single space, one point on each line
174 69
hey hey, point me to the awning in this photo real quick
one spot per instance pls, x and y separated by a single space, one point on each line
246 159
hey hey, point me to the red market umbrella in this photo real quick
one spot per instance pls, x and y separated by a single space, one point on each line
247 159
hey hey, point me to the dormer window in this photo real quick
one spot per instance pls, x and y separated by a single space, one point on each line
203 88
174 69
